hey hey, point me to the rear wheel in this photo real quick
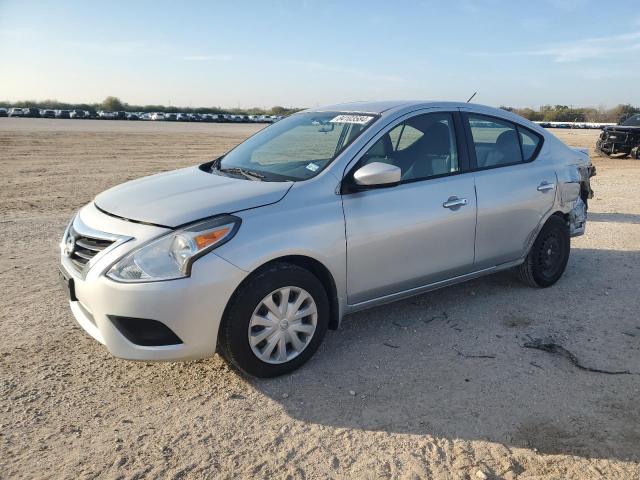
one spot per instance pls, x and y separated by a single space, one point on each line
548 256
275 322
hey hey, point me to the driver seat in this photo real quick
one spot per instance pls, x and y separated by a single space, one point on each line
431 153
381 151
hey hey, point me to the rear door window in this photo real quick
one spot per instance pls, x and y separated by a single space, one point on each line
496 141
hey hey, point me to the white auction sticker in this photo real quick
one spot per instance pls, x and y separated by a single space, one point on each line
313 167
361 119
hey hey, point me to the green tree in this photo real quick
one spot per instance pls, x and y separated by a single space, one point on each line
278 110
112 104
621 112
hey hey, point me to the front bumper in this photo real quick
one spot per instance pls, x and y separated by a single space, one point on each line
190 307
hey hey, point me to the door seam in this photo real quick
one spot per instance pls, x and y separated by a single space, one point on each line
475 230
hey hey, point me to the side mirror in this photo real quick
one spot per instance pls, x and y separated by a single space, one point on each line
377 173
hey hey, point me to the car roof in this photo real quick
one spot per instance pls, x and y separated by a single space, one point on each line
389 106
364 107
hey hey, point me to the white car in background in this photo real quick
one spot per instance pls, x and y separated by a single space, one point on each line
107 115
77 114
157 116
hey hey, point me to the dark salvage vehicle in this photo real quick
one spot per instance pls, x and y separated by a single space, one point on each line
621 139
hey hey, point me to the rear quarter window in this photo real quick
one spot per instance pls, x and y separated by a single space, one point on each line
530 142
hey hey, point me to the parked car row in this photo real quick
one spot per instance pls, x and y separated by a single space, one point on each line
198 117
122 115
580 125
43 113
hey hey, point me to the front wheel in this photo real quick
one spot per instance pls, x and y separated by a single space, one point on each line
548 256
275 322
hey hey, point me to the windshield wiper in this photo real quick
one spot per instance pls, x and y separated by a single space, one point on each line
251 175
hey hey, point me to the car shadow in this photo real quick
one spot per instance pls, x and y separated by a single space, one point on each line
614 217
453 364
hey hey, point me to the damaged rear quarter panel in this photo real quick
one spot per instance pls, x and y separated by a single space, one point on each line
574 190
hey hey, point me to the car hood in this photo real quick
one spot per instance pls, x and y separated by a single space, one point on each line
182 196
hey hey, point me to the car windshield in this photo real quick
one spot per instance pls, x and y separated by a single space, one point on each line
632 121
295 148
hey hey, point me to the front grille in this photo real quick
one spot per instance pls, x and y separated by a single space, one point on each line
86 248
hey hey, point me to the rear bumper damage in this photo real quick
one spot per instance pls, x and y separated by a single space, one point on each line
578 218
575 194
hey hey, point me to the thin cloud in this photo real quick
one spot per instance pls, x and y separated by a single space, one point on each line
208 58
578 50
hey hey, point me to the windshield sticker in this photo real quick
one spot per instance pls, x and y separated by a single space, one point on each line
361 119
313 167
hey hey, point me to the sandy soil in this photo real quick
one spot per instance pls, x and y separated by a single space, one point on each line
424 404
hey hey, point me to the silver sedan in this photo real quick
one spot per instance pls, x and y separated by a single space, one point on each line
329 211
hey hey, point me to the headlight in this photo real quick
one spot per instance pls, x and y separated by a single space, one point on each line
171 256
65 235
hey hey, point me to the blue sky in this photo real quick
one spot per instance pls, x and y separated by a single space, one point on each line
307 53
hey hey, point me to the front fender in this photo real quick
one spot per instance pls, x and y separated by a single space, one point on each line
308 222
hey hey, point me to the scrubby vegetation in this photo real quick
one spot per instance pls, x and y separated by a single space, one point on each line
564 113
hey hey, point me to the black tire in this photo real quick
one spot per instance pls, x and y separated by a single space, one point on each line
548 256
233 341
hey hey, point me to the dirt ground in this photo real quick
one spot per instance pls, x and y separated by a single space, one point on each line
438 386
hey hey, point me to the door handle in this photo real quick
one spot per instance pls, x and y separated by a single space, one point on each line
545 186
453 203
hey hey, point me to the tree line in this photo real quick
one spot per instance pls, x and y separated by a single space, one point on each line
564 113
114 104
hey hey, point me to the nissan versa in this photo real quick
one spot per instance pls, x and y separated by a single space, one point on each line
331 210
